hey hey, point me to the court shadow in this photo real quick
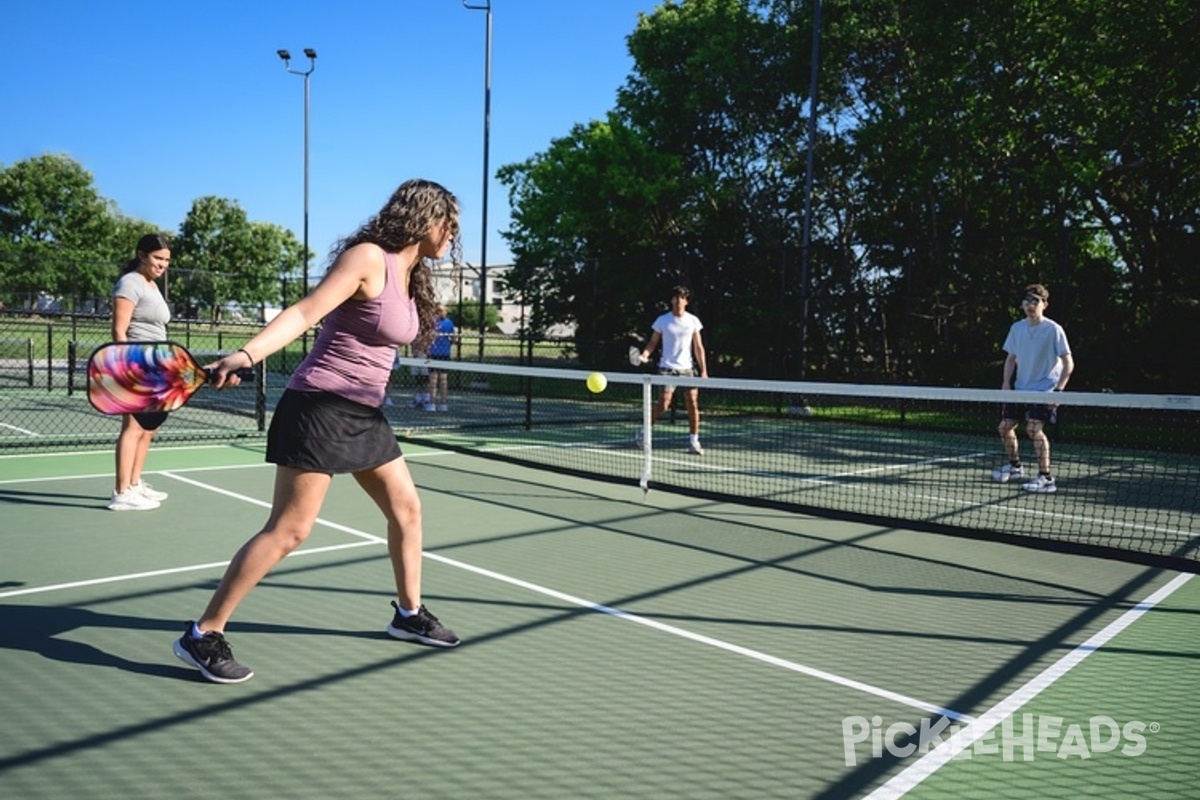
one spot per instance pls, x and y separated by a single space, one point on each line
62 500
39 629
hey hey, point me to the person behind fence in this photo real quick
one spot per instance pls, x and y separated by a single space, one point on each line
1039 360
439 350
377 295
421 393
140 314
682 354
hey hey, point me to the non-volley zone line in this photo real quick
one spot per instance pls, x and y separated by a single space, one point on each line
365 538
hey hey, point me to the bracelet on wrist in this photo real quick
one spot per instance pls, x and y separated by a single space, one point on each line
243 351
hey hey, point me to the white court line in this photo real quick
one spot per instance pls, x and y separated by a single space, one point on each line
368 538
708 640
156 573
173 472
19 430
107 451
902 783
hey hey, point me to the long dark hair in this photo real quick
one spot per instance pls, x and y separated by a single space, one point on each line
415 207
145 246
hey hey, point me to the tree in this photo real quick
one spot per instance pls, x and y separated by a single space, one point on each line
590 216
56 230
962 151
222 257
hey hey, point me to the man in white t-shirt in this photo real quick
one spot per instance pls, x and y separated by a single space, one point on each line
682 354
1039 359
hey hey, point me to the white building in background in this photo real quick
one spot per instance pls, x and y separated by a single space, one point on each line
450 288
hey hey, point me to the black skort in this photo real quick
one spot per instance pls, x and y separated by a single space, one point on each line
324 432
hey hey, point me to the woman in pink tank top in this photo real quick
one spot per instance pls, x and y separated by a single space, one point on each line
377 294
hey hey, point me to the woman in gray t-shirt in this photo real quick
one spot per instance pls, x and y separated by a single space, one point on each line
140 314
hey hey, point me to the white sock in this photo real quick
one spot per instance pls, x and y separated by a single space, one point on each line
196 633
406 613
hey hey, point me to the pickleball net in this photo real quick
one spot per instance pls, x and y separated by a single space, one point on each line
1127 467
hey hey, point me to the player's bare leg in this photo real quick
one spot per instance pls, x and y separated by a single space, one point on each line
693 411
692 401
1008 436
294 509
664 402
391 487
1041 444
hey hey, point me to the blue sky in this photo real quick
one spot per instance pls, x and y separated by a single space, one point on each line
165 102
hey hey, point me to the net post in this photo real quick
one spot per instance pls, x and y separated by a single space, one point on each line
647 427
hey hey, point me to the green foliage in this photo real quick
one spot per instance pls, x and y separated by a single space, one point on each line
58 235
54 228
466 316
962 151
221 256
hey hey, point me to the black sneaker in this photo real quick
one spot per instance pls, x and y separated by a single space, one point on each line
421 627
211 655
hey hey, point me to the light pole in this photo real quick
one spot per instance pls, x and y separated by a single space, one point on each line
487 127
312 64
808 185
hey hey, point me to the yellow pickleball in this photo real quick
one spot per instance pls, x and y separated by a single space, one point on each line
596 382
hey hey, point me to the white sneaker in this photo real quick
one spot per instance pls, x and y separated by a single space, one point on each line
430 407
149 492
1007 473
443 407
131 500
1041 484
694 448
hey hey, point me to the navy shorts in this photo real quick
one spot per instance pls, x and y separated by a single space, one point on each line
1030 411
325 432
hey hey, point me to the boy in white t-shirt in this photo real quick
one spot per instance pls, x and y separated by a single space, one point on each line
682 354
1039 359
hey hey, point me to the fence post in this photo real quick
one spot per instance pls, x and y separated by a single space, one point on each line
72 350
49 357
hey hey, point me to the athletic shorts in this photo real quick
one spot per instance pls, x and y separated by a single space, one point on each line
1031 411
151 420
324 432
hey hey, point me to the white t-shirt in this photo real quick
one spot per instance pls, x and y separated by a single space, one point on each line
1039 350
677 335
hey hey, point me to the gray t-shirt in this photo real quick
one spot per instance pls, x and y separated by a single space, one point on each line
150 311
1039 350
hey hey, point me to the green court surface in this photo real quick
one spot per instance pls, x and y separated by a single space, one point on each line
614 646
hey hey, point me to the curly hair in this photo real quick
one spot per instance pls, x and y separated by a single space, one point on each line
408 215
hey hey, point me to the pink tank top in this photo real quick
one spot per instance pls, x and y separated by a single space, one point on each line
355 350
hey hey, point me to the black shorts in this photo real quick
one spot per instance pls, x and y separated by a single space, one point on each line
324 432
1027 412
150 420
